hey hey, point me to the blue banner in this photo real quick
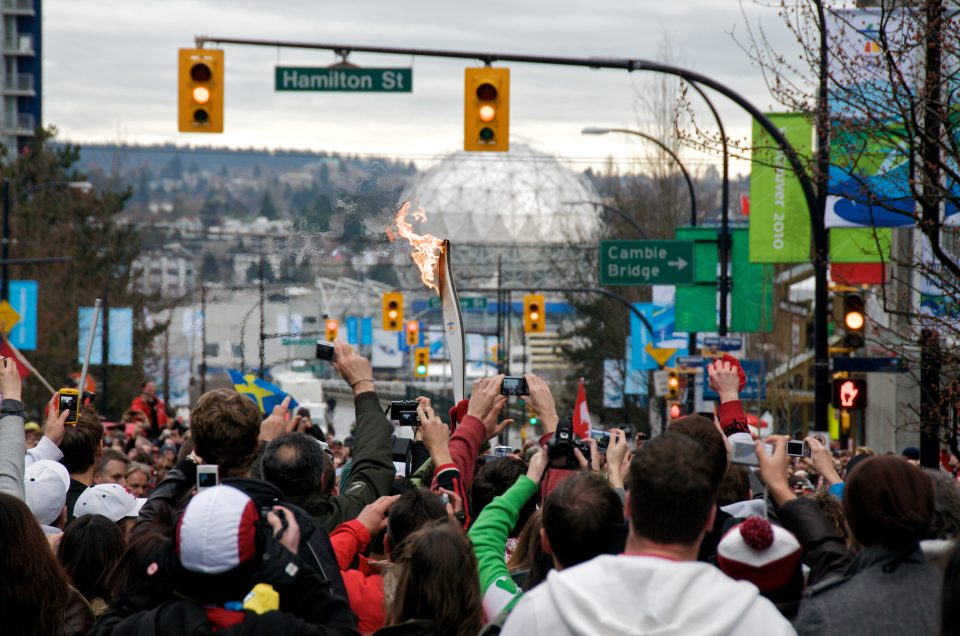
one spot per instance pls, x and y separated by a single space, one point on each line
23 298
121 336
353 331
662 319
366 331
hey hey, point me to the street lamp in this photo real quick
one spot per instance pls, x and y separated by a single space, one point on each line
609 208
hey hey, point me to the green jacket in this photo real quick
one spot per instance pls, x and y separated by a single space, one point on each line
371 473
489 535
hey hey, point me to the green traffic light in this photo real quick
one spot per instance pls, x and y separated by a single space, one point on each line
421 369
533 421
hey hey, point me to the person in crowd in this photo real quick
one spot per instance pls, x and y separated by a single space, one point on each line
227 431
112 501
138 479
610 594
13 447
32 434
90 547
888 504
529 564
436 591
36 598
950 608
46 483
245 577
113 468
305 474
128 583
152 406
82 447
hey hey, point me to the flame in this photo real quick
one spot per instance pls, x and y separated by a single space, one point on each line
426 247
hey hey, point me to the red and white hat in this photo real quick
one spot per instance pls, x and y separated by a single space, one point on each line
759 552
217 532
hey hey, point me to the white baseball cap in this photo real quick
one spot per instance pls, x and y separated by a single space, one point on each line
46 483
113 501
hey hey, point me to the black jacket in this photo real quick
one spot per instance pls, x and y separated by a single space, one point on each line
371 469
824 552
315 548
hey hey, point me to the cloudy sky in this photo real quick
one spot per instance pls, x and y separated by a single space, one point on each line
110 69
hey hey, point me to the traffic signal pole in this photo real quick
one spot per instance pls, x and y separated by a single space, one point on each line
817 224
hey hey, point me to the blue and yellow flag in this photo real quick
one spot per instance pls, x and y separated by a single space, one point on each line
266 395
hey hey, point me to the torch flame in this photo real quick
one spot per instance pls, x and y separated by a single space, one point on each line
426 247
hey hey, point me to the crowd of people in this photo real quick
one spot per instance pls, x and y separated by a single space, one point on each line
236 523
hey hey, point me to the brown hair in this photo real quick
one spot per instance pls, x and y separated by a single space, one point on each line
81 443
583 518
735 485
35 589
529 556
705 432
671 491
225 426
437 580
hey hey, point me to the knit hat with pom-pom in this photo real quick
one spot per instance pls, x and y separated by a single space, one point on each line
759 552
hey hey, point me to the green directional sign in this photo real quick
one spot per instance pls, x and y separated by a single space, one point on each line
297 341
646 262
465 303
344 79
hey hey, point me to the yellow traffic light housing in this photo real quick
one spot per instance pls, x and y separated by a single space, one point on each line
673 385
200 91
854 320
332 327
486 109
534 314
393 311
421 361
413 333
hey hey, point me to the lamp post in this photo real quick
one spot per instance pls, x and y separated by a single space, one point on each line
691 336
617 211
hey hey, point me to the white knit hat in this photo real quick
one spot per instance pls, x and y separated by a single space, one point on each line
113 501
46 483
759 552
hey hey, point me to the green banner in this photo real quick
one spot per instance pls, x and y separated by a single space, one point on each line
779 217
751 299
860 245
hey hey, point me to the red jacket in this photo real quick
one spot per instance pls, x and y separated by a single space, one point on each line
139 404
364 586
465 446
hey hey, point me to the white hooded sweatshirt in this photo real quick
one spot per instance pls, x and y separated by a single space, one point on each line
629 595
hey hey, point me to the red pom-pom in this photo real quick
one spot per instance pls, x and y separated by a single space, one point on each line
757 533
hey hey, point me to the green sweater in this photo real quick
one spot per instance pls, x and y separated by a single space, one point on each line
489 535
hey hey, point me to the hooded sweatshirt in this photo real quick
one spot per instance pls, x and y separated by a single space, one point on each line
631 594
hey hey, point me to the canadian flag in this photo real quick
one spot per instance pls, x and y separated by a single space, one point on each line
581 414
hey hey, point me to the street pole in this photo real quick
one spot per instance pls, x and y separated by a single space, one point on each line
691 336
203 338
609 208
105 352
5 245
821 364
261 339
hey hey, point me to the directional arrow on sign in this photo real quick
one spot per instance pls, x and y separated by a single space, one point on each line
679 263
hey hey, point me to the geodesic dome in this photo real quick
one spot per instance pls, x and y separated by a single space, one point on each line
524 196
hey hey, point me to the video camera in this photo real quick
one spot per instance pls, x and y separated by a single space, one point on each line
560 447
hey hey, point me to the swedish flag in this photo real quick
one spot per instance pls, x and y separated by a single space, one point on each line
266 395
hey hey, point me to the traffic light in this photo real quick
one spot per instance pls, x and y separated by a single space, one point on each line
532 418
200 91
413 333
421 361
392 311
332 327
673 385
674 410
850 394
486 109
534 316
854 320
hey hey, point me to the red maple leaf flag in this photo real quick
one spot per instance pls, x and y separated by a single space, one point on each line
581 414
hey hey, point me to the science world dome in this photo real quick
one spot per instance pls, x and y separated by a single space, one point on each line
521 197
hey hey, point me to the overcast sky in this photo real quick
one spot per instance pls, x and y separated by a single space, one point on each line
110 68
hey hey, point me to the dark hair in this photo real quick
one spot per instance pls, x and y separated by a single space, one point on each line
111 455
671 492
950 597
735 485
294 464
583 518
529 556
946 505
91 545
437 580
146 541
225 426
81 443
492 480
35 588
412 511
705 432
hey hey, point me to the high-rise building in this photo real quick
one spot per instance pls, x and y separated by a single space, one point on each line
20 46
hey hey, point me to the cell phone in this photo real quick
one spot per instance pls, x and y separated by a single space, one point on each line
208 476
798 448
514 385
745 454
325 350
405 412
69 401
603 439
502 451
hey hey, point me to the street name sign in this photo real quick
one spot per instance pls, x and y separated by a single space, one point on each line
471 302
343 79
646 262
723 343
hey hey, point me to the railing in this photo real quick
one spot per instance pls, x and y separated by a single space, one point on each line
17 6
18 82
23 122
21 44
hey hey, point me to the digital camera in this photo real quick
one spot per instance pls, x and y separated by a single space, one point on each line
560 447
405 412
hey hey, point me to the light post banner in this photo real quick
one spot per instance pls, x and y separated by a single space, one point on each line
779 217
